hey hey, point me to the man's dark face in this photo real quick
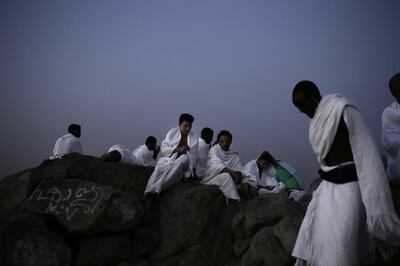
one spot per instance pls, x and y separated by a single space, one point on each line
77 132
395 87
152 145
306 104
208 138
185 127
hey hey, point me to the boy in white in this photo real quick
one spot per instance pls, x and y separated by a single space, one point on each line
224 168
176 158
68 143
207 135
391 131
147 153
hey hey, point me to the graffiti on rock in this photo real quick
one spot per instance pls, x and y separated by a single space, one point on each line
70 202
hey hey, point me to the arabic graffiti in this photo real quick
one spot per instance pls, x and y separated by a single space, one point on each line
83 200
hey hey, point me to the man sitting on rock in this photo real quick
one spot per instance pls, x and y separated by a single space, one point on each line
207 135
68 143
147 153
391 131
177 157
267 175
120 154
224 168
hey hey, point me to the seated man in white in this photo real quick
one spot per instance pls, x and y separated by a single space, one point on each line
120 154
207 135
147 153
224 168
259 177
68 143
176 158
391 131
268 175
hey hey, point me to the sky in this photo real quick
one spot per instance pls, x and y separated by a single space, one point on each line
125 70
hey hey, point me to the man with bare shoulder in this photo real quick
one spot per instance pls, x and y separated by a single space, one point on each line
353 201
176 158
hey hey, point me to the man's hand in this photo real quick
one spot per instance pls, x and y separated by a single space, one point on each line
182 149
237 177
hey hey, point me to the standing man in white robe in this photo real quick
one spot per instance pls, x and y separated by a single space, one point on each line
120 154
177 157
68 143
224 168
147 153
207 135
353 198
391 131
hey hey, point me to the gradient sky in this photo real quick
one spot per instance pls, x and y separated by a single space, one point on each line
126 69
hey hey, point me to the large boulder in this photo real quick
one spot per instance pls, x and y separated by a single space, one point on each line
79 210
89 168
14 189
85 207
267 211
25 240
266 250
192 221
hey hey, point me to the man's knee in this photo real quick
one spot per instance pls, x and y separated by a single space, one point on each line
183 160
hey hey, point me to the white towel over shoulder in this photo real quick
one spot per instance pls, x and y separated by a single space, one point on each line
391 139
172 140
218 159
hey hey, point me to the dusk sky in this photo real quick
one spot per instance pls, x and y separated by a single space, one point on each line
127 69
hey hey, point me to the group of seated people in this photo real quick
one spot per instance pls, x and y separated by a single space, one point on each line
182 154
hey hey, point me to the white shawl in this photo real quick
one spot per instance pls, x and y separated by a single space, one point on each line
67 144
202 155
172 140
391 138
144 156
382 220
252 176
218 159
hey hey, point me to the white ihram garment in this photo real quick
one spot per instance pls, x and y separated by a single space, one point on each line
391 140
67 144
333 231
219 159
251 177
144 156
202 155
170 168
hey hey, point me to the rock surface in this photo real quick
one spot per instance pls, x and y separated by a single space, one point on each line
79 210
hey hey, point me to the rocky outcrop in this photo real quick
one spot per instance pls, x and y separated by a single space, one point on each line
80 210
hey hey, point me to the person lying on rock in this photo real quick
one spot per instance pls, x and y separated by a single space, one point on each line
120 154
147 153
177 157
353 201
207 135
68 143
224 168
